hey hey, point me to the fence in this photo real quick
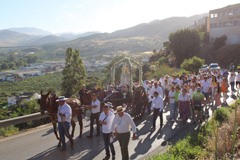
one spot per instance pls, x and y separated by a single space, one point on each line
21 119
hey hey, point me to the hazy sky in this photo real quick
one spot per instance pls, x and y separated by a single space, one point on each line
97 15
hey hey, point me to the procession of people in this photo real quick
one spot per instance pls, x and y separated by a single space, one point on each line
186 97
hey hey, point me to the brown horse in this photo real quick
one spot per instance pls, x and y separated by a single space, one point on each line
48 103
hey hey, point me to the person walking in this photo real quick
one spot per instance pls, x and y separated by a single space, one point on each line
156 88
157 108
238 80
225 90
121 123
184 105
232 82
64 115
197 100
217 95
171 101
206 88
95 112
106 119
177 93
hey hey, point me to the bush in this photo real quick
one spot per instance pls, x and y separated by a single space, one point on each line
221 115
219 42
7 131
192 64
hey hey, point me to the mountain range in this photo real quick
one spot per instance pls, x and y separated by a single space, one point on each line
136 39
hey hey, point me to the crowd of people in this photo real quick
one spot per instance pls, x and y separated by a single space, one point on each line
186 96
189 94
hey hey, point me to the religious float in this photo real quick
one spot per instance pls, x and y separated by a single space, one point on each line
130 95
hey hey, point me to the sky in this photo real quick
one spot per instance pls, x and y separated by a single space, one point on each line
97 15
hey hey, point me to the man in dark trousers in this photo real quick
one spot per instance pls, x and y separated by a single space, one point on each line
157 108
95 113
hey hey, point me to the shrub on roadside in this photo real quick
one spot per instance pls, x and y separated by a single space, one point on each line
221 115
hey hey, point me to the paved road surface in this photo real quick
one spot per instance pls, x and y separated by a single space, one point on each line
40 143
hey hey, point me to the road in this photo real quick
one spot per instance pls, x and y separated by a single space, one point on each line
40 143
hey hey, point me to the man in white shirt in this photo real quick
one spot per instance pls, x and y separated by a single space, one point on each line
95 112
156 88
121 123
64 118
157 108
206 87
106 119
175 79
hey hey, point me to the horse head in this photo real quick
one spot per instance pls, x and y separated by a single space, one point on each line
44 102
87 98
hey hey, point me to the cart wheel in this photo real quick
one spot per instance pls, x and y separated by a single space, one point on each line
139 103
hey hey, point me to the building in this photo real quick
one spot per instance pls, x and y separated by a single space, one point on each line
27 96
225 21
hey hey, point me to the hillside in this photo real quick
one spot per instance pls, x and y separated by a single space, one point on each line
31 31
11 38
43 40
137 39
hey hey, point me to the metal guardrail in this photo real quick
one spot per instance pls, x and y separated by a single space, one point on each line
22 119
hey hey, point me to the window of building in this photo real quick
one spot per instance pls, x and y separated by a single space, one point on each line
220 25
220 14
215 25
225 13
236 11
215 15
230 12
235 23
211 25
225 24
212 15
230 23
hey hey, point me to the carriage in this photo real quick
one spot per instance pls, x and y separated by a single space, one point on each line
132 96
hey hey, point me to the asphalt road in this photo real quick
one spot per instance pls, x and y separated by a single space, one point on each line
40 143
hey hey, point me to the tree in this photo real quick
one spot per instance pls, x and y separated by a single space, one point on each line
11 65
219 42
74 73
12 57
32 58
192 64
4 65
184 44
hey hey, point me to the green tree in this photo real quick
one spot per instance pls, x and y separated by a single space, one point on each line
32 58
184 44
74 73
11 65
4 65
19 63
192 64
219 42
12 57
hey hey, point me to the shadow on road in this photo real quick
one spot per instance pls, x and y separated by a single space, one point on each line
84 148
48 132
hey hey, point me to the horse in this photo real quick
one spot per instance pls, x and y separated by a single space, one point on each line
48 103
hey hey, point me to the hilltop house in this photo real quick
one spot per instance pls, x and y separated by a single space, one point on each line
25 96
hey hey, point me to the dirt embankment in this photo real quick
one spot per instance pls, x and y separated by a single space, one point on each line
223 56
